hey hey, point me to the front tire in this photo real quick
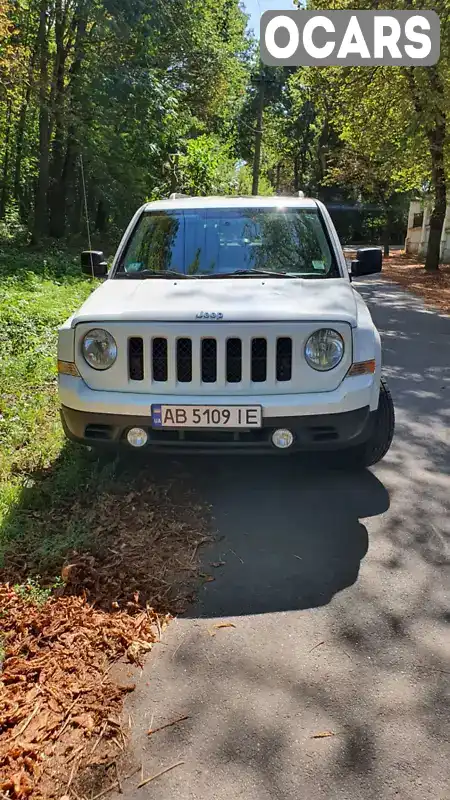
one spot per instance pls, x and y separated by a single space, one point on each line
379 443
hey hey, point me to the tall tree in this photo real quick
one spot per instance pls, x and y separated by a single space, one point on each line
430 102
40 207
126 84
424 96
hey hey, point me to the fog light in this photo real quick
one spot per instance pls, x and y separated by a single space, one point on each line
283 439
137 437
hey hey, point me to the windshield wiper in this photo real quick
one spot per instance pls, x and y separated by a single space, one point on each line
248 273
143 274
242 273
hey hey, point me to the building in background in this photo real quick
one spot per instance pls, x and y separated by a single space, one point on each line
419 231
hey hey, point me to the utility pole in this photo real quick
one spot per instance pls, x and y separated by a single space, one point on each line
258 135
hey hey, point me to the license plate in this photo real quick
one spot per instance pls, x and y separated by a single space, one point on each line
206 416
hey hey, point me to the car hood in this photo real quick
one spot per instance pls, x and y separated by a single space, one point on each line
236 299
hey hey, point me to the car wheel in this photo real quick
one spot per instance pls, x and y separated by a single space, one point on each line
375 449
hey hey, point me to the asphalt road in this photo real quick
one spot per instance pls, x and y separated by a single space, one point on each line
338 587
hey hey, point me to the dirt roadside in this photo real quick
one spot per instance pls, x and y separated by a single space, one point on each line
70 653
433 288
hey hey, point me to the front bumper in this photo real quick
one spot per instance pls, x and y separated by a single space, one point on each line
319 421
313 432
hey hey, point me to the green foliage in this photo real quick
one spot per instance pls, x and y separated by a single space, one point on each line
382 151
126 86
206 167
9 66
32 591
391 122
245 183
32 305
44 480
12 229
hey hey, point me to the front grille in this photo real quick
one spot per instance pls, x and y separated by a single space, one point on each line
209 369
230 440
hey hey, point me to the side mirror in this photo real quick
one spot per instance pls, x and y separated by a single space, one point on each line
369 260
93 264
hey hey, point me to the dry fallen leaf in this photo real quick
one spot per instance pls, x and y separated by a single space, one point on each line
212 631
85 721
324 735
137 649
67 572
64 650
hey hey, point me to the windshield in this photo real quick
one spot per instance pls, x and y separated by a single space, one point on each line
221 242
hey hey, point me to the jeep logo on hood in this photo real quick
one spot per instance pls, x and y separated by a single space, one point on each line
208 315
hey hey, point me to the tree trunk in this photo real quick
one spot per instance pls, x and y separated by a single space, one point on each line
101 217
20 135
296 174
436 134
67 190
19 152
40 209
386 236
436 138
174 161
56 199
278 178
5 169
258 138
322 151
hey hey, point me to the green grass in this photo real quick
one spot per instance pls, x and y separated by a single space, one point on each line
41 476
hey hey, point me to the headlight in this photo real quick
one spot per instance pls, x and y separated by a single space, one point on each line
324 350
99 349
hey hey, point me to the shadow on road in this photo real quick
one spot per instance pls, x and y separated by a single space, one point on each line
416 364
289 535
370 667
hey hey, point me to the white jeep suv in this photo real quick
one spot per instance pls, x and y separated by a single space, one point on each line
227 324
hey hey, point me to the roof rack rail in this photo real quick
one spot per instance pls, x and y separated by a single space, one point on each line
177 196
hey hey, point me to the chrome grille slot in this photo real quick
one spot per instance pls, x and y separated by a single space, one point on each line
136 358
259 360
284 359
159 360
209 360
184 360
234 361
